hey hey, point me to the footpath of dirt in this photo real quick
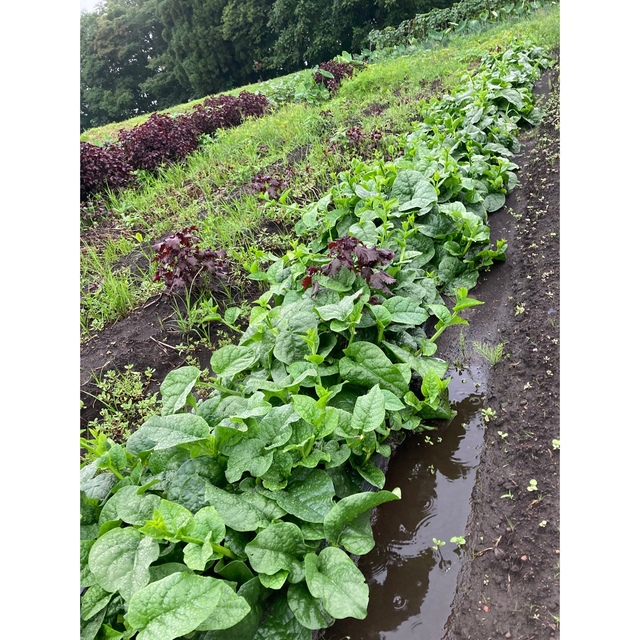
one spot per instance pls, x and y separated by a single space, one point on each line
508 586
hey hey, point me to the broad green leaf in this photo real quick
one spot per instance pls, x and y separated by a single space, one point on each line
275 581
180 603
279 623
372 474
94 600
187 486
232 359
279 546
120 560
164 432
357 537
494 201
197 555
131 506
413 191
89 629
366 364
406 311
309 498
366 231
176 388
369 411
340 311
307 609
235 571
248 511
170 521
351 507
332 577
248 455
208 520
422 365
87 579
274 429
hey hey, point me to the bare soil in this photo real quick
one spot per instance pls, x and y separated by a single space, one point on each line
508 586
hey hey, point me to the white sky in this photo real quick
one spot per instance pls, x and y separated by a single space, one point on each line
88 4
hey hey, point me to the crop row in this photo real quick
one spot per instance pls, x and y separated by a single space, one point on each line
467 15
237 510
164 139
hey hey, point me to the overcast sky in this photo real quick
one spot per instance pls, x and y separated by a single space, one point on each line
88 4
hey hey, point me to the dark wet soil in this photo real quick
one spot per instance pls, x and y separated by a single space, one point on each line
504 582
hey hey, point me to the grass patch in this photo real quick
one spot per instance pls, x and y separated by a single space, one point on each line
211 189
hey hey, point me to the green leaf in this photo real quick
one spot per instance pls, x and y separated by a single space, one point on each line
275 428
494 201
197 555
406 311
232 359
180 603
187 486
176 388
120 560
94 600
279 546
350 508
248 511
307 609
367 365
248 455
280 623
372 474
333 578
369 411
276 581
413 191
131 506
170 521
310 497
340 311
164 432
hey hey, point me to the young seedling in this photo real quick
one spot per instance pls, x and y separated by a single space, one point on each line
533 485
438 543
459 540
488 414
492 355
555 443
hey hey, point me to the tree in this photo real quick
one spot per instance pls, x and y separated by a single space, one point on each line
199 56
120 52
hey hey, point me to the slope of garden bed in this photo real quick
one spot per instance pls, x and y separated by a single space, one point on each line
507 583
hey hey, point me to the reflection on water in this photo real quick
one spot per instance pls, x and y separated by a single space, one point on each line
411 584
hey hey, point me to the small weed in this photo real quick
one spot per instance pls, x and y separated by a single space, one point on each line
533 485
492 355
125 405
459 540
555 443
488 414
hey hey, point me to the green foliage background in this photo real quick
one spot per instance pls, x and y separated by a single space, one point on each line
137 56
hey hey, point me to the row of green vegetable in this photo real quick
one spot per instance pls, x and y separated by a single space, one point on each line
237 512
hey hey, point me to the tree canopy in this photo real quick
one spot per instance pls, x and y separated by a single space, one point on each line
137 56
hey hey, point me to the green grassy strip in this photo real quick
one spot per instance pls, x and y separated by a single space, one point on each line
197 191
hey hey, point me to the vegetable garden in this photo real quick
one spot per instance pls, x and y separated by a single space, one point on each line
240 508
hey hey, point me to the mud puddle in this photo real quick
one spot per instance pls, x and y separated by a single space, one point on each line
412 585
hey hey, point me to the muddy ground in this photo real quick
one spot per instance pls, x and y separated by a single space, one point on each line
508 585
